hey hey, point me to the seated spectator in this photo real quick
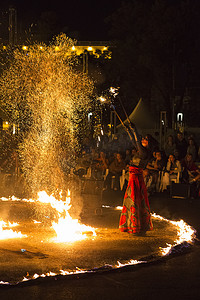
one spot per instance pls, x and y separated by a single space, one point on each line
170 146
195 193
189 168
100 166
155 166
173 170
115 170
82 164
190 174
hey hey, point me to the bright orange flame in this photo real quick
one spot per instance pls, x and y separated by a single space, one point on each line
67 229
7 233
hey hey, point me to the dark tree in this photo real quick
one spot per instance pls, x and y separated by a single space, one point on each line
155 54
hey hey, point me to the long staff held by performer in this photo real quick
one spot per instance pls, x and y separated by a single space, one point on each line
135 217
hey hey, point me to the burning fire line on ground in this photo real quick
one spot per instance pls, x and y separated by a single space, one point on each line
185 233
7 233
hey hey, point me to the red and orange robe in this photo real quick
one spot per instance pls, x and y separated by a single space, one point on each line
135 216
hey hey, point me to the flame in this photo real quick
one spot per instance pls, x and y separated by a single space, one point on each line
185 233
130 263
67 229
9 233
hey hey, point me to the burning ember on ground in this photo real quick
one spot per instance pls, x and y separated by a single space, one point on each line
7 233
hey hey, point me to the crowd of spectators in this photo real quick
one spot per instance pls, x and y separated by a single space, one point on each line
178 162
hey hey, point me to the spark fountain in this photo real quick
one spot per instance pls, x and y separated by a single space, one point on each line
46 98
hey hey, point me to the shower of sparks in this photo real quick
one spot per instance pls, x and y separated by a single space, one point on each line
46 98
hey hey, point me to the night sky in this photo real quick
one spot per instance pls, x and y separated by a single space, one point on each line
84 16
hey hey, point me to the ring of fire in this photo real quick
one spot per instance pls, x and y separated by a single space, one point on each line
38 244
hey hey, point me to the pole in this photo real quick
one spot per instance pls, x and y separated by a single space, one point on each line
12 26
122 123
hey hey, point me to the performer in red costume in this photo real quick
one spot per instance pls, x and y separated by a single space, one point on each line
135 216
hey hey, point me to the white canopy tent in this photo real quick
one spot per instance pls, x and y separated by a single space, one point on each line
141 117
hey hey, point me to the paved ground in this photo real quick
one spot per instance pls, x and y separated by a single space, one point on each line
177 277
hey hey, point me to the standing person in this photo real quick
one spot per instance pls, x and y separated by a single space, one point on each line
181 145
192 148
170 146
135 216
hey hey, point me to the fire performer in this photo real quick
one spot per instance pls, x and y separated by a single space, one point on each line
135 216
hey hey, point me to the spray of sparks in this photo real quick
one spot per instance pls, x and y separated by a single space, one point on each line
46 98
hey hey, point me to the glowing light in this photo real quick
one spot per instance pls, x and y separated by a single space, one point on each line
118 207
5 125
14 129
114 91
105 48
24 47
89 48
57 48
89 116
73 48
102 99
